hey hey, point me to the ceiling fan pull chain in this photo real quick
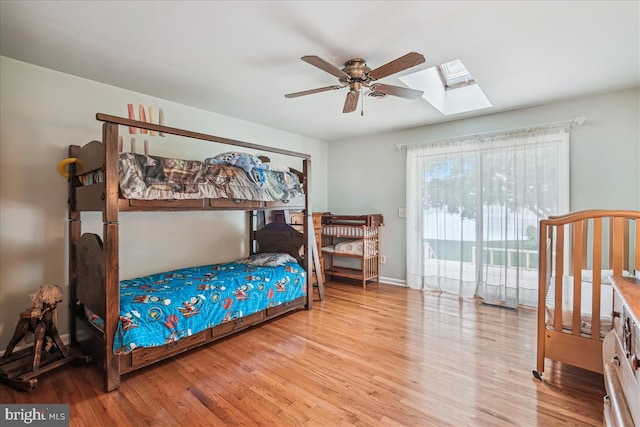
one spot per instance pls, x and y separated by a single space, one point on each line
362 103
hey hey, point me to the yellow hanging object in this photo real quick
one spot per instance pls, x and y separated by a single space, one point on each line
63 164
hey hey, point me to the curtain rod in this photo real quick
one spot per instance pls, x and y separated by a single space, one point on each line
575 121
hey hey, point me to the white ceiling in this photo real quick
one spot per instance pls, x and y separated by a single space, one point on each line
239 58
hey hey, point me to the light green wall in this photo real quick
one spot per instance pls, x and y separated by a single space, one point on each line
42 112
367 174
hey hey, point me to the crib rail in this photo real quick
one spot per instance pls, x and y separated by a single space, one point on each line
350 231
578 251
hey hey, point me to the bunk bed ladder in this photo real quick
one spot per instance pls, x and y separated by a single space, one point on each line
316 264
285 216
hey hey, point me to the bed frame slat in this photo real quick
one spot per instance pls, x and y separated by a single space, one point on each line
626 255
610 245
578 249
596 288
559 266
618 246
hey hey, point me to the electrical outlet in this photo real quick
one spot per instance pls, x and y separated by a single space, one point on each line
402 212
383 259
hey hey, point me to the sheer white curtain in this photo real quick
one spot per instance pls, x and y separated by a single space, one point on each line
473 206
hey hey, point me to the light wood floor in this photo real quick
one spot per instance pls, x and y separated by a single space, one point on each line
384 356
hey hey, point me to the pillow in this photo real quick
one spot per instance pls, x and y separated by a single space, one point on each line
268 259
245 161
275 167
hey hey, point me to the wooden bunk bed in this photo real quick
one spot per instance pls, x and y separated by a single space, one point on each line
578 253
98 320
352 237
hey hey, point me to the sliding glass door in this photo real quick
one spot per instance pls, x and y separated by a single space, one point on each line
472 212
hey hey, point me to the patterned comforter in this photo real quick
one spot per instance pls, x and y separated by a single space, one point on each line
158 309
158 178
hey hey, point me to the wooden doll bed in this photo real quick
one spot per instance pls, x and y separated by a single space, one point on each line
578 254
94 280
354 237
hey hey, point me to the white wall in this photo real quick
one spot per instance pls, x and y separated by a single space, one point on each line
605 162
42 112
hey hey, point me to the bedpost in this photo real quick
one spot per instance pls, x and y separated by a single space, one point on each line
542 274
75 230
307 223
112 266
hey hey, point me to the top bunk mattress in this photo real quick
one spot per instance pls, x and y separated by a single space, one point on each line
144 177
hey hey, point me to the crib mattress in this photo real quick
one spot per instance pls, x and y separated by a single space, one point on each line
586 318
586 322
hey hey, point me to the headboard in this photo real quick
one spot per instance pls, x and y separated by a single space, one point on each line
280 237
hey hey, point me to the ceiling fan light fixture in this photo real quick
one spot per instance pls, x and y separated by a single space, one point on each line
356 69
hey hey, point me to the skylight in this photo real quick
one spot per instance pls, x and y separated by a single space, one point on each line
454 74
449 87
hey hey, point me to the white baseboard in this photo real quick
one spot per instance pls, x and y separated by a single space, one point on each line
392 281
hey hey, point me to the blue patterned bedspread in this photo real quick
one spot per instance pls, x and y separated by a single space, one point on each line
158 309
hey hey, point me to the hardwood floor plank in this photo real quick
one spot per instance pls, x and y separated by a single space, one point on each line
380 356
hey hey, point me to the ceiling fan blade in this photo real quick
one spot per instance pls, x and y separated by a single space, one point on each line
311 91
351 102
402 92
407 61
316 61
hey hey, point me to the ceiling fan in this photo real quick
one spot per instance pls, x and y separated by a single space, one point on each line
357 76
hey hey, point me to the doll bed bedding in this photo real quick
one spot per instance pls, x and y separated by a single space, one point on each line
145 177
353 247
159 309
356 237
